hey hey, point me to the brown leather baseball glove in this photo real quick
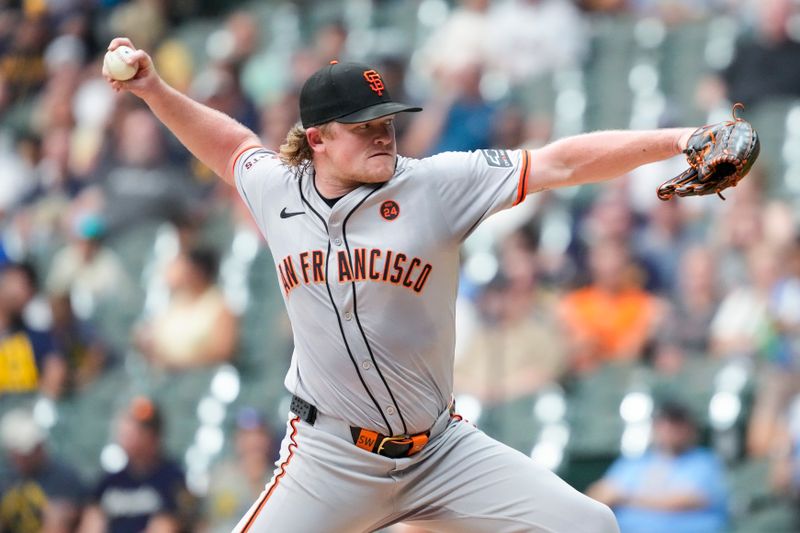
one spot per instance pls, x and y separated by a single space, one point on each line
719 156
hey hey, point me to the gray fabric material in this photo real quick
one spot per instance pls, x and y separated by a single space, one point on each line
463 481
377 354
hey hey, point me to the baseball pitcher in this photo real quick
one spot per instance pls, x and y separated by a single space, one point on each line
366 246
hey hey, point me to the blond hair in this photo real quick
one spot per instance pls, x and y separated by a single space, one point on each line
295 151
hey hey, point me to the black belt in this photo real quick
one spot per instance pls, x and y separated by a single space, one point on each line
366 439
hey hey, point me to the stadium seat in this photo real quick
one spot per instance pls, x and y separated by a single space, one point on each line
593 409
754 508
693 385
512 422
769 119
608 92
682 65
85 421
134 246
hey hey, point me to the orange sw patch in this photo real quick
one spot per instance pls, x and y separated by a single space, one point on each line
367 439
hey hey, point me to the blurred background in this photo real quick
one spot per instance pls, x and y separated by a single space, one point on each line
140 318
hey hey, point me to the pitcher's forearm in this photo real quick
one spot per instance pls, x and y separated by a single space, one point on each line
211 136
602 155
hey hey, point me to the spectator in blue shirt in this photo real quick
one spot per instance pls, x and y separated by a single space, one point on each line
677 486
149 493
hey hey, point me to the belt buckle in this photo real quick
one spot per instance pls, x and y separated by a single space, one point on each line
398 439
417 442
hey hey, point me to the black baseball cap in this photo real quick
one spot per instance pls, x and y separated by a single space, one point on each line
348 93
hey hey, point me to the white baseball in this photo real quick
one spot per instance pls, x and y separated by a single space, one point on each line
116 66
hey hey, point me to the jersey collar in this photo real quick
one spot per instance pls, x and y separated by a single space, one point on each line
345 204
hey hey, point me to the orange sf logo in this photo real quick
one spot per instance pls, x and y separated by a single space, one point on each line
375 81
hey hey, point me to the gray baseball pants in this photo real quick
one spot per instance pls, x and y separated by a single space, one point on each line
462 481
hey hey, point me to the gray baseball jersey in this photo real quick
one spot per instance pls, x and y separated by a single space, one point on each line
370 284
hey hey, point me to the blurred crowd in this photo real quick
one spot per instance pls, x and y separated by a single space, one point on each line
126 266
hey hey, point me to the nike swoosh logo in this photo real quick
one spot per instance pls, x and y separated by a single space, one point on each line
285 214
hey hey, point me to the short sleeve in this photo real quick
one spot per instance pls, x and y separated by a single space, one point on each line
170 492
474 185
175 498
99 489
251 171
44 346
